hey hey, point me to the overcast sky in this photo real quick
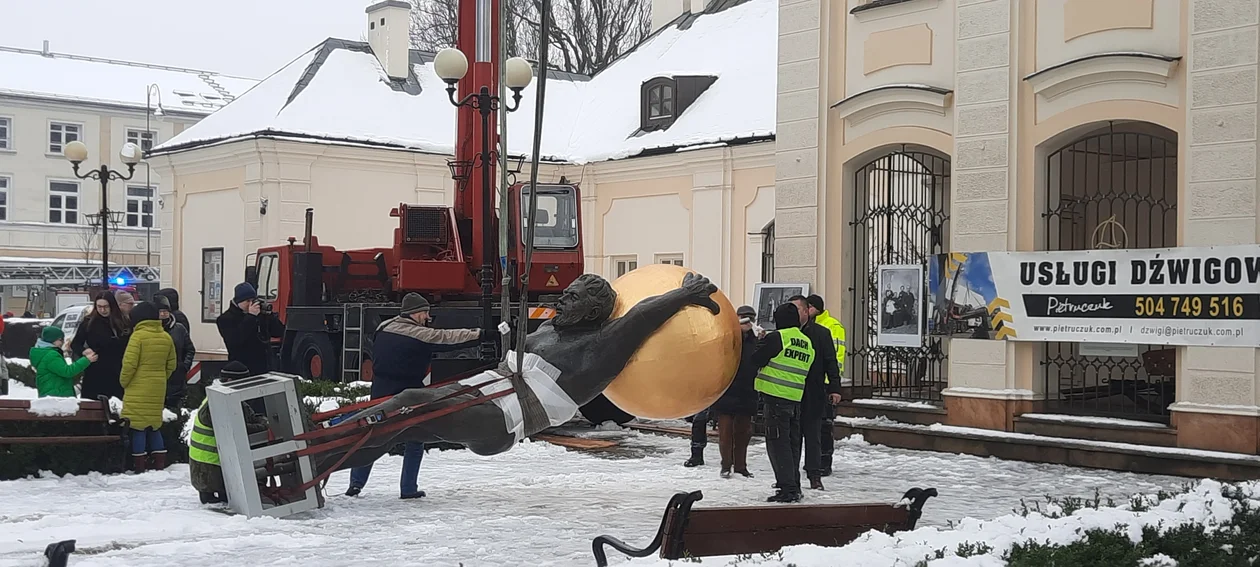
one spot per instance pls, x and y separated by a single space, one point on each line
251 38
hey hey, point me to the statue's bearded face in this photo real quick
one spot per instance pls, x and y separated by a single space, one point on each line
588 301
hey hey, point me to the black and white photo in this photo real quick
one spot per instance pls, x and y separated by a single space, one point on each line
769 296
901 305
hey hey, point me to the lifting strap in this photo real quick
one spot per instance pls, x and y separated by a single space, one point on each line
321 416
388 428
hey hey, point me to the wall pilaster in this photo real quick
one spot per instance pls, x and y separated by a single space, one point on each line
797 155
981 199
1220 198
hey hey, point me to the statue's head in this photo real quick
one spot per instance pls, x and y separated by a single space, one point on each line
588 301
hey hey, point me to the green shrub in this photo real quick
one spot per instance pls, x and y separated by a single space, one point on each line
1233 543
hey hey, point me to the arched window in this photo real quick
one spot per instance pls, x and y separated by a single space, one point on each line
900 216
1113 188
767 253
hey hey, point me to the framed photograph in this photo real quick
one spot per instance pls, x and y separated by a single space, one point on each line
900 305
769 296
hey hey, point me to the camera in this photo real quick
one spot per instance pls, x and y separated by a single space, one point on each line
264 306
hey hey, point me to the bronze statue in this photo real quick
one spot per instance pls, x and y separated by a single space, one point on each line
581 351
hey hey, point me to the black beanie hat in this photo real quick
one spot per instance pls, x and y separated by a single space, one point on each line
787 315
233 371
144 311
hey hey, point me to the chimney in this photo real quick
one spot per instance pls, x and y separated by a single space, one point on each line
664 11
698 6
47 53
389 24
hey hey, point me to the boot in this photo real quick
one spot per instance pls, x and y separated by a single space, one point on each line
697 458
353 491
159 460
815 483
745 473
412 495
139 462
826 466
726 472
784 497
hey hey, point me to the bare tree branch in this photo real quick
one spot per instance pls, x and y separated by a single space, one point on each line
586 35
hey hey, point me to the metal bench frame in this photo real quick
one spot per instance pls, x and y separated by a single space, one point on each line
671 537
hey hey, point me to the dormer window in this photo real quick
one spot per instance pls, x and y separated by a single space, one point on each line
660 101
664 99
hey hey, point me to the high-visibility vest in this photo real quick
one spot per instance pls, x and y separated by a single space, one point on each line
201 444
784 376
837 335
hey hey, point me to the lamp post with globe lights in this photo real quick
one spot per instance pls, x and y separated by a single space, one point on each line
451 65
76 152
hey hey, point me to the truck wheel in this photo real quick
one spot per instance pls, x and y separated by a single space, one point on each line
601 409
314 357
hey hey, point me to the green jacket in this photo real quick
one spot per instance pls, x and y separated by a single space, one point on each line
54 377
147 363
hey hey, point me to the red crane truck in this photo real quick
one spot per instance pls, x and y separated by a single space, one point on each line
332 300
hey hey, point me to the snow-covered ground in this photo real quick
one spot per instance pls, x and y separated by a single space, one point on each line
538 504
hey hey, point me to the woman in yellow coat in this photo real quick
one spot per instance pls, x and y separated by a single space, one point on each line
147 363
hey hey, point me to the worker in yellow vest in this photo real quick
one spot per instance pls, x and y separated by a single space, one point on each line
818 312
203 451
783 360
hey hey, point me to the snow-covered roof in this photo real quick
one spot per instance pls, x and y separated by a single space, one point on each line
338 92
57 76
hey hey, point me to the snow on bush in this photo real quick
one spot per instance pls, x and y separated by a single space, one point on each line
53 407
985 543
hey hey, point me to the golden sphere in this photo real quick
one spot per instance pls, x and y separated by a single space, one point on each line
686 364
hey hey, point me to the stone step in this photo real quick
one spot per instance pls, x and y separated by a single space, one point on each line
1130 457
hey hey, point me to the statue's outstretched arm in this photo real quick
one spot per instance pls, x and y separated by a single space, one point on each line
650 314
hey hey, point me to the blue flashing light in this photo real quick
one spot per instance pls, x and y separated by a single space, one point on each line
119 281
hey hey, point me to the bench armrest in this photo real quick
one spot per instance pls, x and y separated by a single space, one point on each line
679 505
915 499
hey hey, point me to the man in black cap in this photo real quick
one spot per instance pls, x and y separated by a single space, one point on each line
185 351
822 389
247 329
401 353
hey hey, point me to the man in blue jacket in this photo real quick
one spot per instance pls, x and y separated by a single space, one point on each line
401 353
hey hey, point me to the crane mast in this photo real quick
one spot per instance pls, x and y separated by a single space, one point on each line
478 38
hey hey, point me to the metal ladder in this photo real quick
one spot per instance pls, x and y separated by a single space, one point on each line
351 341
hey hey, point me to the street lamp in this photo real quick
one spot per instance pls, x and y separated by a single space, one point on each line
150 92
451 65
130 155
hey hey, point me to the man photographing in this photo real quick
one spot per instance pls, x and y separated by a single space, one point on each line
247 328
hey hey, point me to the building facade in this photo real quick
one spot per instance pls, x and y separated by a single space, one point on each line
47 215
911 128
671 151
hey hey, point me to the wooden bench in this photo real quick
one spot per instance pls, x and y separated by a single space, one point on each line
703 532
89 412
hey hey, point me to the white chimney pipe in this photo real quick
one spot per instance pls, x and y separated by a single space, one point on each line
389 36
664 11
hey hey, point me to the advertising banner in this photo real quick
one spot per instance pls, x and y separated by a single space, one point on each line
1168 296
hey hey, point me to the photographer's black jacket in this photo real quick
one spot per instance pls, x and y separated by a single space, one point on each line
247 337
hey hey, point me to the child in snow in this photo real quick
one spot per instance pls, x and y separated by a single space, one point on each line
54 377
147 363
